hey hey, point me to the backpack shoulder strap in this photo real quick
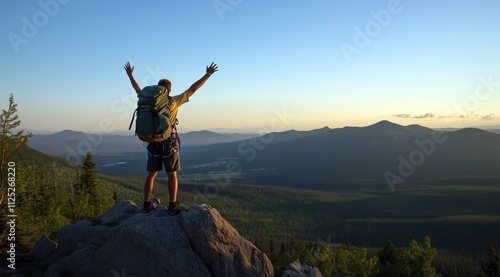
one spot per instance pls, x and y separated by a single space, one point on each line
132 121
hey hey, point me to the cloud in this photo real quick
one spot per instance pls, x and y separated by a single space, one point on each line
490 116
409 115
404 115
470 114
476 115
427 115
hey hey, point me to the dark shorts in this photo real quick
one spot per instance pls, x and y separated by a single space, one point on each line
163 154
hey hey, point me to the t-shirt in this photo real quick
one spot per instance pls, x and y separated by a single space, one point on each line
176 102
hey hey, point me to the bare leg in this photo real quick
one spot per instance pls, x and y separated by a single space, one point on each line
148 185
172 186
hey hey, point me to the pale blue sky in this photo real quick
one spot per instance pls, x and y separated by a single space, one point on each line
321 63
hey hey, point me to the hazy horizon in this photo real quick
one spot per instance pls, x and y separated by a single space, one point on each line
256 130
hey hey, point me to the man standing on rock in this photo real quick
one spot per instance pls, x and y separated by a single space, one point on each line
165 153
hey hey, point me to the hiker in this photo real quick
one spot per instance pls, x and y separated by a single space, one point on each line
166 153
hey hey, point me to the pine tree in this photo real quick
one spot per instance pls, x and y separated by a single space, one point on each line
10 142
88 180
416 259
386 255
492 267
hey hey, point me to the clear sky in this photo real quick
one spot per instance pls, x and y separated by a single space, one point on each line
282 64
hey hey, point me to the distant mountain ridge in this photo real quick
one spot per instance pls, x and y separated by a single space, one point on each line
381 153
61 143
326 157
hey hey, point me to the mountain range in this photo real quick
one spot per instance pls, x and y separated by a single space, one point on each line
382 153
114 144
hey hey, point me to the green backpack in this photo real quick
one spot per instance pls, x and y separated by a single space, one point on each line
153 122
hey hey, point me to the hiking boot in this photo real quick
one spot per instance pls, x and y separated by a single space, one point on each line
174 210
148 209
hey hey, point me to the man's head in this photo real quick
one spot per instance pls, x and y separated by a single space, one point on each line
166 83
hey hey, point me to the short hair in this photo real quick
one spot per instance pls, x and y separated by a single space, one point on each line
166 83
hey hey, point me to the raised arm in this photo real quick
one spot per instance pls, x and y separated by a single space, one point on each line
210 70
130 70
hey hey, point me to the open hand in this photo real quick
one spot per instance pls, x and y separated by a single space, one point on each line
211 69
129 69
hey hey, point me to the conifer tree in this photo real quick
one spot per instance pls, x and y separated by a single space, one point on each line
492 267
88 180
10 142
387 259
386 255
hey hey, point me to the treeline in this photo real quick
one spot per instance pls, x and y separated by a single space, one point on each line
417 259
48 198
42 194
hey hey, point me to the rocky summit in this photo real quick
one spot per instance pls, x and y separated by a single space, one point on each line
124 241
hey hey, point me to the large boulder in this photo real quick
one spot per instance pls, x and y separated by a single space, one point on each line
223 251
126 242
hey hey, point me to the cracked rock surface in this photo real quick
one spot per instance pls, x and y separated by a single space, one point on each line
124 241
